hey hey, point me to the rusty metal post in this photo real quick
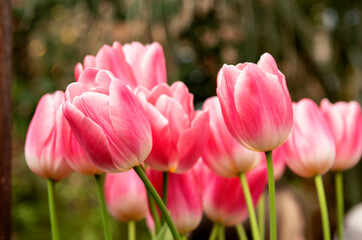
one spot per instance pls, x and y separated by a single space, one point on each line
5 120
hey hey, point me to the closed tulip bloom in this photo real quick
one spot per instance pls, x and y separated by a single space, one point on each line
255 103
45 142
108 121
179 133
126 196
184 198
135 64
345 121
223 154
310 148
223 198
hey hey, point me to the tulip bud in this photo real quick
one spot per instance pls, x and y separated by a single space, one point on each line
255 103
345 121
126 196
46 142
310 148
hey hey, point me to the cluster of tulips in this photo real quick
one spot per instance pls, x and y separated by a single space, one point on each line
169 163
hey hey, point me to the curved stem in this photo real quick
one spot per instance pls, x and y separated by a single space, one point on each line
271 185
214 232
52 211
241 232
158 201
249 204
102 205
323 206
340 203
221 232
131 230
261 216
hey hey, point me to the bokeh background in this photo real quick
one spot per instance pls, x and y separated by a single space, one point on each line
317 45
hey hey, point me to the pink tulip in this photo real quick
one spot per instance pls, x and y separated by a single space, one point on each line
179 133
45 143
223 154
345 121
223 198
184 199
126 196
135 64
255 103
108 120
310 148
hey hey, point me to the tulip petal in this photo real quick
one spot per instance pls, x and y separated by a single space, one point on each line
95 106
225 92
156 92
162 149
192 142
181 93
136 129
115 62
90 136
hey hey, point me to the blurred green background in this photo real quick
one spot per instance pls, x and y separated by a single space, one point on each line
317 45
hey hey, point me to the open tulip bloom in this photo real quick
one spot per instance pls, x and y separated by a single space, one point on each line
258 111
345 121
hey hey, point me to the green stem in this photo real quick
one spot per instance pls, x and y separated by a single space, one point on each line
323 206
261 216
340 203
52 211
158 201
221 232
164 191
249 204
184 237
154 212
102 205
214 231
164 187
241 232
131 230
271 185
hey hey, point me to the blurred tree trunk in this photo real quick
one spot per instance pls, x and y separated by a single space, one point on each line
5 120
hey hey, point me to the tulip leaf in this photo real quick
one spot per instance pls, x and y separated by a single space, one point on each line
164 233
